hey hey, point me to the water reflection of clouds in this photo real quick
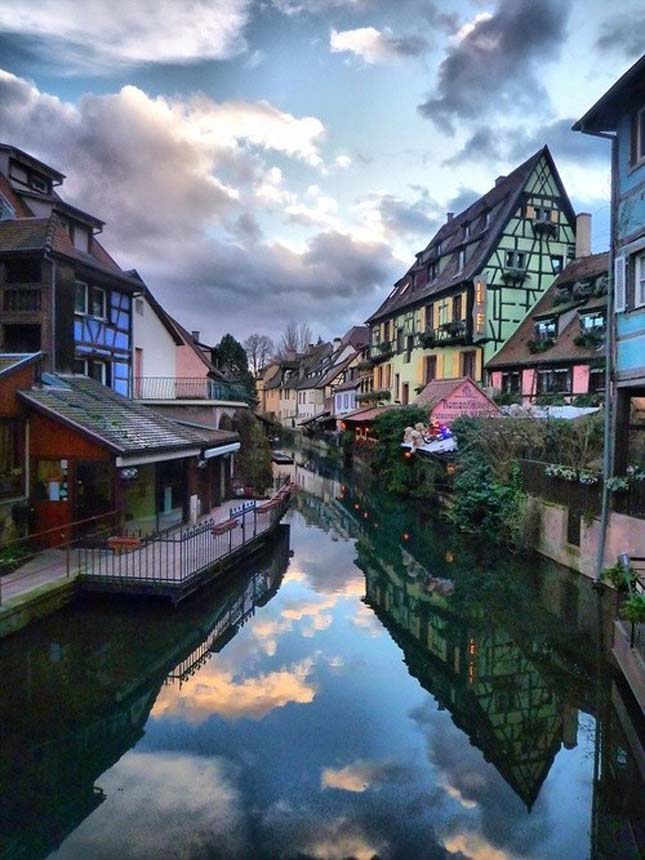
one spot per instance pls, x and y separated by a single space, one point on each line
163 805
216 690
361 775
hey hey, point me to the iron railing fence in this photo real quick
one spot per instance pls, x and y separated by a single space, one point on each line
175 557
186 388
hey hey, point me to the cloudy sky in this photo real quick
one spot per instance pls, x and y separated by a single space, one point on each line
265 160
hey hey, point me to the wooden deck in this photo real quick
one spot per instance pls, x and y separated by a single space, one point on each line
176 563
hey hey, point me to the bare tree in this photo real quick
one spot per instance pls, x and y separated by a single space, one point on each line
259 348
295 338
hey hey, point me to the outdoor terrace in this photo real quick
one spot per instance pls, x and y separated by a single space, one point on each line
169 388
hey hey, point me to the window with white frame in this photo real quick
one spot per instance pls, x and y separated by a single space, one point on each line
638 138
89 300
639 284
94 369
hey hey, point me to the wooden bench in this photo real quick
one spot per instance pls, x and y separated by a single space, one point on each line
225 526
123 544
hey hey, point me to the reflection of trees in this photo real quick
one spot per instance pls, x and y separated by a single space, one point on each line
82 687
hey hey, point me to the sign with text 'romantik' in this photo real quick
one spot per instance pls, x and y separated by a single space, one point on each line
465 399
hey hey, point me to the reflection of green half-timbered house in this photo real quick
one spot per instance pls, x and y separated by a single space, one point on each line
473 284
475 670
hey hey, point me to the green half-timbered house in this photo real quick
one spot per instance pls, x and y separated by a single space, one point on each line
471 286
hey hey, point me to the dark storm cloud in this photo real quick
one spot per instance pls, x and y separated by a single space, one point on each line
496 65
406 46
622 35
462 200
511 146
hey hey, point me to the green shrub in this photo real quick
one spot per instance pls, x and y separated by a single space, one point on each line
633 609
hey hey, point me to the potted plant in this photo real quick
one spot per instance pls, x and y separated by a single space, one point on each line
633 608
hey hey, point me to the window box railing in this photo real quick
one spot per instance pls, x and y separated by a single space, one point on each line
447 333
545 228
381 351
186 388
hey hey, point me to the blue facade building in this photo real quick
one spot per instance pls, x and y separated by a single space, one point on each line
620 116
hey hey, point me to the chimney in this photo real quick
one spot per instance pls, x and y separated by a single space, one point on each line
336 342
195 336
583 235
449 216
499 179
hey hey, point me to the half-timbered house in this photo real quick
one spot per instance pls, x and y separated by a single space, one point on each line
475 281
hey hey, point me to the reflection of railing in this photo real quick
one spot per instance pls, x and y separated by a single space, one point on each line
173 561
186 388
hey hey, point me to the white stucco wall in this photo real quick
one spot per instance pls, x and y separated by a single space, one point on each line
150 335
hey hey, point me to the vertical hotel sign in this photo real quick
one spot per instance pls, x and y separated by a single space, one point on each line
479 309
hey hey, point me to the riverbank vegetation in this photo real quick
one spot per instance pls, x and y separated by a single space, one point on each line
485 485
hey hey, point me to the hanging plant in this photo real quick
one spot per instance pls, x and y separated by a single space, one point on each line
618 484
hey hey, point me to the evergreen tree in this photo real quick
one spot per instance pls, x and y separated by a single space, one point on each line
230 357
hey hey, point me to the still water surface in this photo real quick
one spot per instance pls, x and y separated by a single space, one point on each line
371 687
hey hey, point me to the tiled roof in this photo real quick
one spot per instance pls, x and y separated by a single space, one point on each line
20 207
358 336
442 389
12 361
125 426
499 202
24 234
349 385
516 350
335 370
366 414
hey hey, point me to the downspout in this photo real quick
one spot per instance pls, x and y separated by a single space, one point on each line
54 365
607 462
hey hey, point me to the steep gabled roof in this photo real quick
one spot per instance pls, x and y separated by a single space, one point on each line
516 351
498 205
618 99
54 174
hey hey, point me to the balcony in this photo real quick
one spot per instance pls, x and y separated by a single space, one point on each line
381 351
448 333
167 388
21 300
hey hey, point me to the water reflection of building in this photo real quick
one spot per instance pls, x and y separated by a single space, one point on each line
476 671
82 694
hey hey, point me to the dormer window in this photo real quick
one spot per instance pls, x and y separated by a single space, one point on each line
592 322
546 329
461 260
433 271
466 231
438 249
486 218
38 184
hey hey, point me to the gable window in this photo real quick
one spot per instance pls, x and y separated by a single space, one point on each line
556 263
546 329
511 381
515 259
541 213
594 322
556 380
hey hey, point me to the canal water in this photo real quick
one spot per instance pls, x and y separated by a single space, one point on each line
371 686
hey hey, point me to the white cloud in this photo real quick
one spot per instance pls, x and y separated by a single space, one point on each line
144 31
471 25
295 7
343 161
375 46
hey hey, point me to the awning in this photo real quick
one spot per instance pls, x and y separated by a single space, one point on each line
157 457
209 453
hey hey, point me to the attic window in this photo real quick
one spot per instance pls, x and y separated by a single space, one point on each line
433 271
462 259
486 218
546 329
515 259
38 183
405 287
592 322
466 231
7 212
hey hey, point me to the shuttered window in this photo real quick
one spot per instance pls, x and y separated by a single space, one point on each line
619 285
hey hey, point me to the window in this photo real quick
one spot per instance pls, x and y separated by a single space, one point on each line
456 308
38 183
399 340
594 322
429 315
51 480
486 218
462 259
405 393
80 297
97 302
541 213
466 231
397 383
429 368
555 380
637 155
94 369
138 306
7 212
556 263
515 259
511 381
89 300
438 249
433 271
639 284
346 401
467 364
409 346
596 379
546 329
10 472
386 331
